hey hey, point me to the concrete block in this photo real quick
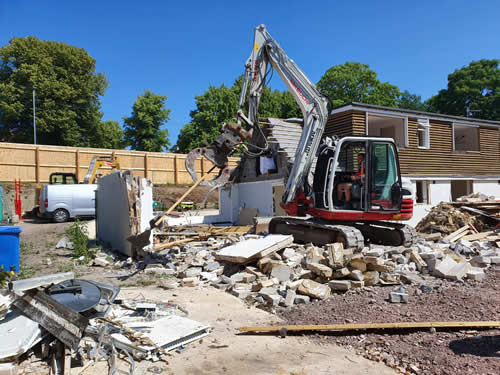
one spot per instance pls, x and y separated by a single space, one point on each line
339 285
376 252
313 289
495 260
357 284
396 297
240 292
290 297
212 266
248 277
320 270
335 254
192 272
288 253
314 255
371 278
480 261
301 299
476 274
358 263
341 273
282 272
356 275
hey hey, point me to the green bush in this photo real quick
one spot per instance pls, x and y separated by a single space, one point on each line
78 235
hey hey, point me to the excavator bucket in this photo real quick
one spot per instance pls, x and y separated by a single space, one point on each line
219 151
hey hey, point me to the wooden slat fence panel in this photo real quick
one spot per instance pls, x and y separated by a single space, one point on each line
22 161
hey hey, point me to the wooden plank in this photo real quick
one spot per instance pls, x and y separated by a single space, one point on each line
168 245
65 324
367 326
456 233
477 236
245 251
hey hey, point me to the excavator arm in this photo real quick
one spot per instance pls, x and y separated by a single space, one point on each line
266 51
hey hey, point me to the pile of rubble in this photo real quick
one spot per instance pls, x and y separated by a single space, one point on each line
271 271
65 320
446 218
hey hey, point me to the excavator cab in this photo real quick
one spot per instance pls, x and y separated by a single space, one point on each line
358 174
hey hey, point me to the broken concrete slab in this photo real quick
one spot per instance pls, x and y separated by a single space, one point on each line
371 278
476 274
315 290
290 297
245 251
282 272
320 270
339 285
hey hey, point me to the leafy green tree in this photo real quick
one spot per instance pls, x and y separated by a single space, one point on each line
408 100
109 134
67 92
473 90
143 128
219 104
355 82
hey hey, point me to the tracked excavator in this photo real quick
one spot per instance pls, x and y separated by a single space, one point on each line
357 193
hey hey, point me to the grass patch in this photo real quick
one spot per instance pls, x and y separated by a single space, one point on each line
26 248
26 271
69 267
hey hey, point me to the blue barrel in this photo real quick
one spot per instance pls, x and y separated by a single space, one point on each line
9 247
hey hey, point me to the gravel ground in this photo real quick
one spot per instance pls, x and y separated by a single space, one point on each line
416 352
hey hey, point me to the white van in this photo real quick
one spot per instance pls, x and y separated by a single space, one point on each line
61 202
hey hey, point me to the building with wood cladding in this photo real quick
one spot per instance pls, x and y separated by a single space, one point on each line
444 157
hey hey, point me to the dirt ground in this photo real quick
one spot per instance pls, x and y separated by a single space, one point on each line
443 352
224 351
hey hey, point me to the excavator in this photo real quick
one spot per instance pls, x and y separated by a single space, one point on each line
357 194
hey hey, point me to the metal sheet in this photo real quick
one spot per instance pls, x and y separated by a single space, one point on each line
19 333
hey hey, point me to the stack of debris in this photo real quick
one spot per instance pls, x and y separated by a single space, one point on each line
446 218
273 271
68 320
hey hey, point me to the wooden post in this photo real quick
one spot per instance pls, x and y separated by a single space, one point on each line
146 172
77 162
37 165
176 177
202 166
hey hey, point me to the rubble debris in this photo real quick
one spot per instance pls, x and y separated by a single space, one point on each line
446 218
62 322
398 296
245 251
36 282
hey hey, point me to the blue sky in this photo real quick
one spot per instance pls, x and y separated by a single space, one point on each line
179 48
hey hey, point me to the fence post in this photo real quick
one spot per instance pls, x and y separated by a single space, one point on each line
202 166
77 162
37 165
146 165
176 178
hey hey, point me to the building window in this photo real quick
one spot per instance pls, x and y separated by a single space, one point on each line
423 133
465 138
422 192
390 127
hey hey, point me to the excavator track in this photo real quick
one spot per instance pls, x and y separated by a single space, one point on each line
352 235
306 230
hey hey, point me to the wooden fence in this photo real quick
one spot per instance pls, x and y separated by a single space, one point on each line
35 163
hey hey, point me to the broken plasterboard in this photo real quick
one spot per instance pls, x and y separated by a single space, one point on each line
19 333
245 251
168 333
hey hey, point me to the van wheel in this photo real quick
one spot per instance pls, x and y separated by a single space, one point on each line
61 215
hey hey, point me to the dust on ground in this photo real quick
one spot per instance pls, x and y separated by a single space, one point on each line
442 352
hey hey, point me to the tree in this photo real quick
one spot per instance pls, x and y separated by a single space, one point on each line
219 104
408 100
473 90
109 134
355 82
143 128
67 92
